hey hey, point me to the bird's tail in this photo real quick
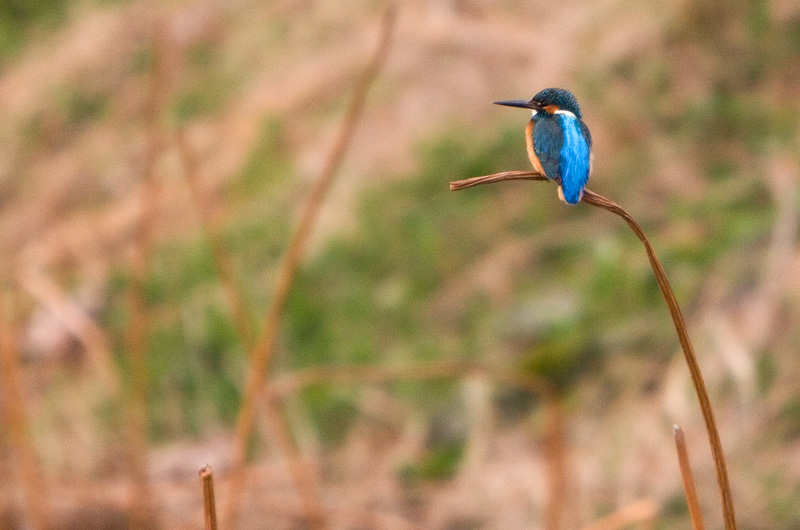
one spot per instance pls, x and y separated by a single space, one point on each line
571 197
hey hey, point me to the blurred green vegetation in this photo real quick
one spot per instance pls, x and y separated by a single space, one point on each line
438 463
81 106
19 18
210 83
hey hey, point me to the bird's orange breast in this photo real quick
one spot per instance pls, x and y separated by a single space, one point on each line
537 165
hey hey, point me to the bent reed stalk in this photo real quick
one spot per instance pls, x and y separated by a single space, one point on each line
675 311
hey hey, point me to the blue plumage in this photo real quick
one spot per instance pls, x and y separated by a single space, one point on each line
559 143
548 141
574 158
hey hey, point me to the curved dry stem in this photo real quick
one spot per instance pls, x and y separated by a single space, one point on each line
688 352
677 318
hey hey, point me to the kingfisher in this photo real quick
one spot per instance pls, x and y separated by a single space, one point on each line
559 143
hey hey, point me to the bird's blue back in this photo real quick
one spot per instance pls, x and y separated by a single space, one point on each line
563 145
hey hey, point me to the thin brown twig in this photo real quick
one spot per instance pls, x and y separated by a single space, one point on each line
263 352
677 318
17 422
688 480
209 503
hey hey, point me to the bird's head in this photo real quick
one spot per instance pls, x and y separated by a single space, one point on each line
548 100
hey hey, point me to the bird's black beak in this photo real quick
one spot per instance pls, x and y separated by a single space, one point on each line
519 103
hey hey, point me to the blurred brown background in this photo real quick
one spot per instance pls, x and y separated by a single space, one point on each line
489 358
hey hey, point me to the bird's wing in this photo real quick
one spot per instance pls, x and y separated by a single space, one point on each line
547 142
586 134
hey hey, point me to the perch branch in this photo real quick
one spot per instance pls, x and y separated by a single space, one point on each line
496 177
677 318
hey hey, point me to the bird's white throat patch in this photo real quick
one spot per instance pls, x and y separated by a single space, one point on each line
534 112
565 113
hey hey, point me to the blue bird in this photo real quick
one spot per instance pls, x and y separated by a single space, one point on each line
559 143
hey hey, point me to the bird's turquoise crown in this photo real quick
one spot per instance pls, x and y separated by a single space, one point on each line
558 96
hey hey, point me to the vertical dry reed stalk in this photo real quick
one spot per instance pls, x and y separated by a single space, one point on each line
209 503
142 513
234 298
688 480
17 423
263 352
677 319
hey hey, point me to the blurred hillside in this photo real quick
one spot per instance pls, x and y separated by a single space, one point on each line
516 366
